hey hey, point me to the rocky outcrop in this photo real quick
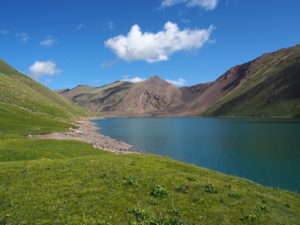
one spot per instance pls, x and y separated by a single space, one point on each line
153 95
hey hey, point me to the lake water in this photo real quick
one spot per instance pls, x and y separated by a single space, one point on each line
266 151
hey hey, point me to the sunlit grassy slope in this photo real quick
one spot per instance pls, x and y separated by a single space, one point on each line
66 182
270 88
69 182
16 122
20 91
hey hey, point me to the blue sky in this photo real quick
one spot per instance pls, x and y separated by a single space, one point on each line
64 43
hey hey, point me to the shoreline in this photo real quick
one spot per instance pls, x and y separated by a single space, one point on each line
86 131
120 115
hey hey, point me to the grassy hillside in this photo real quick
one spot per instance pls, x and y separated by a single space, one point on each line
16 123
270 87
66 182
27 107
20 91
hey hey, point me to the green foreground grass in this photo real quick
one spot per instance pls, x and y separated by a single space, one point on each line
69 182
16 122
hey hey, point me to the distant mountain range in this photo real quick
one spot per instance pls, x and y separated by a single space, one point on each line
266 86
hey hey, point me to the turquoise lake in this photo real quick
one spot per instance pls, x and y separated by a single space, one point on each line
266 151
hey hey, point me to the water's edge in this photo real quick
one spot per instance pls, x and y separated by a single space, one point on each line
212 160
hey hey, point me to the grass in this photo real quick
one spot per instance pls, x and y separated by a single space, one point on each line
69 182
16 123
18 90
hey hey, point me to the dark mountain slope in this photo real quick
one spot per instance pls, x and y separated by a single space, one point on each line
212 92
189 94
266 86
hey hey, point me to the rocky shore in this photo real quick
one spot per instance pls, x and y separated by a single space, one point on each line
86 132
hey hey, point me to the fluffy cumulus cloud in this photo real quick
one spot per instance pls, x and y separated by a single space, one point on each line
40 69
49 42
23 37
134 79
179 82
155 47
206 4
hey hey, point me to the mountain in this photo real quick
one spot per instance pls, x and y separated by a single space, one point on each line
98 99
266 86
151 96
26 103
121 97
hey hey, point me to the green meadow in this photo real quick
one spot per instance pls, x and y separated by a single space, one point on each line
68 182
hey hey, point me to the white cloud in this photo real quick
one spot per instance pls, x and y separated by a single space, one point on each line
39 69
4 31
206 4
23 37
49 42
155 47
79 27
134 79
179 82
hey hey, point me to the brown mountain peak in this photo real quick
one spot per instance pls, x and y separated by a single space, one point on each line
155 77
156 80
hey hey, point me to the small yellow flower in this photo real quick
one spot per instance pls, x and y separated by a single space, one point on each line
7 214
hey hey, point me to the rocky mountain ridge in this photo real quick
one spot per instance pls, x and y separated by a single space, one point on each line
243 90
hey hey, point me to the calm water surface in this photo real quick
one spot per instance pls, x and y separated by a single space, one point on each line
266 151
